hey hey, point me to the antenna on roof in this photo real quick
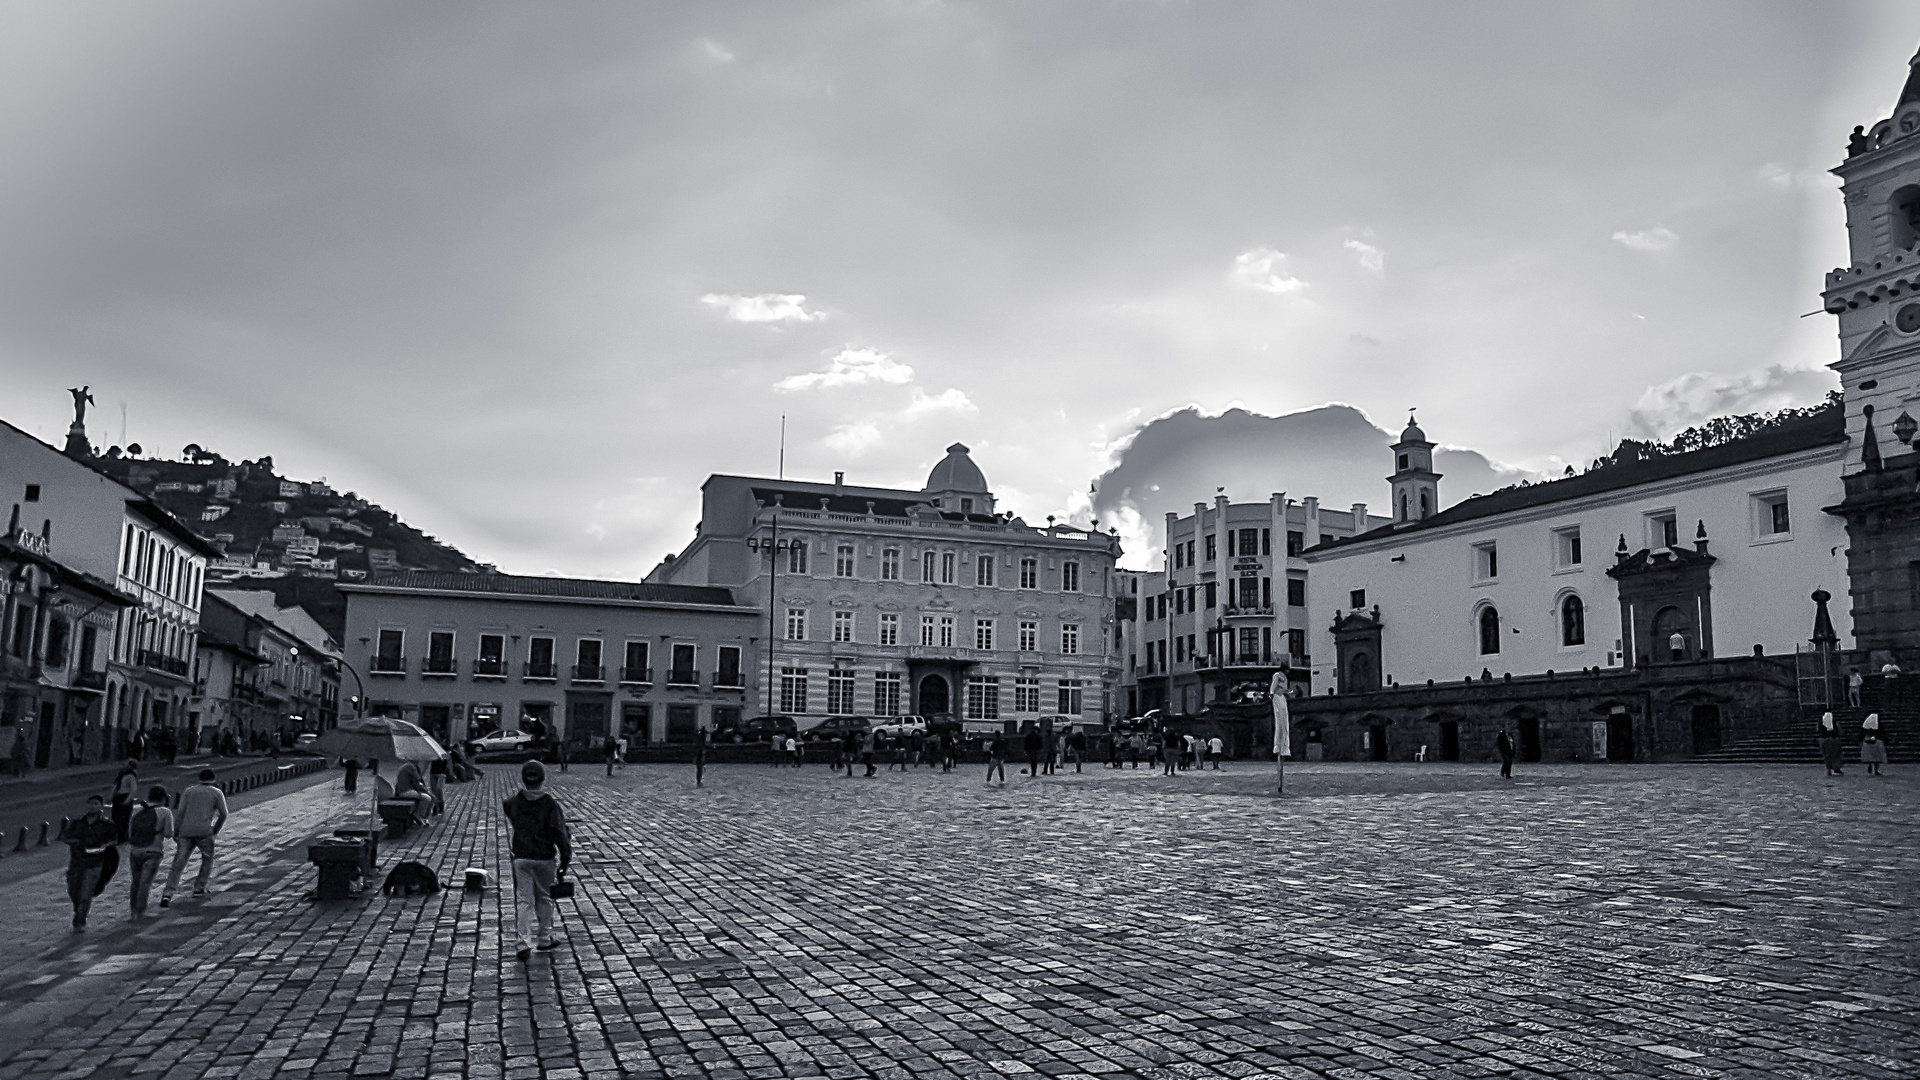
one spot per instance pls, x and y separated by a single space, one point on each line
783 446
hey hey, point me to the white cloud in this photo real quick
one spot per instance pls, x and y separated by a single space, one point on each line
1778 176
1658 238
1260 269
1677 404
716 51
851 368
949 399
1370 257
765 308
854 438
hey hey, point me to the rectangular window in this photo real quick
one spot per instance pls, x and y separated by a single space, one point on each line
1179 553
1296 543
840 691
728 673
983 570
1266 592
1070 697
983 697
1029 637
946 631
926 630
1771 519
637 668
1249 645
1179 650
1663 529
1070 639
793 690
391 655
540 658
1179 602
886 693
1211 555
1249 593
1357 598
1211 596
1029 573
843 626
983 633
586 659
1486 561
685 670
1266 541
1249 542
1296 592
439 653
491 659
843 561
889 629
947 561
796 624
926 567
1069 577
890 564
1566 547
1026 695
797 557
1297 645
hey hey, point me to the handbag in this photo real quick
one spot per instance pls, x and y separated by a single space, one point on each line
561 889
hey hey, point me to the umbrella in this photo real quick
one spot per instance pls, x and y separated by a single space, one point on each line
380 738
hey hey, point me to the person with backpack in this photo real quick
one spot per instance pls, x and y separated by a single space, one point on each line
540 836
90 850
147 833
126 784
201 816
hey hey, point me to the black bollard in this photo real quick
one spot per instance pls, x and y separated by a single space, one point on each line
64 822
22 845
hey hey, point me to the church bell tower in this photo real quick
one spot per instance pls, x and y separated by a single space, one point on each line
1416 487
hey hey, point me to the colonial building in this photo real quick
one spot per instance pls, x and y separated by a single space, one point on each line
1876 300
104 528
279 668
466 654
1227 611
883 602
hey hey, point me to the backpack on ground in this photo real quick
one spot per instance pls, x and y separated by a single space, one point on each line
411 877
144 827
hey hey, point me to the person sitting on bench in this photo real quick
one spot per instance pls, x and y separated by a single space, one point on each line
411 786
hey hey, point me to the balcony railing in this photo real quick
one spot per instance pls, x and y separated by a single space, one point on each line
388 665
1258 658
538 669
445 666
1249 611
93 680
589 673
636 675
679 677
729 680
161 662
489 667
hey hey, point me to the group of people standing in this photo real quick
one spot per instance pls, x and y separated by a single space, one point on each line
1173 751
1873 752
140 827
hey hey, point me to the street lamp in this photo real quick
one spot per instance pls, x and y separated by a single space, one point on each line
772 546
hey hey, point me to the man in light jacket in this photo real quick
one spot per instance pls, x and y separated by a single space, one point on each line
201 816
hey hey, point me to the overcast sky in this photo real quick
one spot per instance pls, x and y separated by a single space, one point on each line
526 274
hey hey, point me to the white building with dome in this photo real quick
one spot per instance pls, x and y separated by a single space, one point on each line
885 602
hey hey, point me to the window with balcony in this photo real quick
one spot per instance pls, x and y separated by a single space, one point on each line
983 633
639 666
1296 592
1069 576
983 697
886 693
796 624
793 690
797 557
1249 645
390 653
1070 701
490 661
890 564
983 570
1029 573
586 661
843 626
843 561
840 691
685 670
889 628
1029 637
727 673
540 658
946 631
1070 639
1249 593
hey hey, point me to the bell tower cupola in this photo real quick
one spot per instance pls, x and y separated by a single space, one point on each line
1416 487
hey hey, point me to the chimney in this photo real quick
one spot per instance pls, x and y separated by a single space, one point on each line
1359 518
839 479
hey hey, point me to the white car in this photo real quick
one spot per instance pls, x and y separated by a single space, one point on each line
500 740
897 726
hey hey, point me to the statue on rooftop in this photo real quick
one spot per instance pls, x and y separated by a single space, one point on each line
81 399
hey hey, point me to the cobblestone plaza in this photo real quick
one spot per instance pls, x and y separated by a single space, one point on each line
1380 921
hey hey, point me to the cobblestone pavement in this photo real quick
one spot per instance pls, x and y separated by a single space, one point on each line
1380 921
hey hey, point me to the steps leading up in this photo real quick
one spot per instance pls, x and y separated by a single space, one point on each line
1899 729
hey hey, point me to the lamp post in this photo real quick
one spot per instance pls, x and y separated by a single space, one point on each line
772 546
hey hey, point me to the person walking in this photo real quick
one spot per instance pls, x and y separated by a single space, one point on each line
1216 749
1033 744
866 753
701 739
1873 752
202 814
1076 748
1050 752
89 839
542 848
996 758
613 753
1504 744
352 765
560 754
126 785
1170 754
1830 745
795 753
147 833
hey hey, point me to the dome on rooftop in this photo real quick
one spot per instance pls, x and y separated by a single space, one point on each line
1412 432
956 472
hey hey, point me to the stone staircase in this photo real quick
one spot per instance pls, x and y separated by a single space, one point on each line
1899 729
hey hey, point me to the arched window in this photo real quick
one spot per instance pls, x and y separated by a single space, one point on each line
1403 506
1573 621
1489 631
1425 507
1903 211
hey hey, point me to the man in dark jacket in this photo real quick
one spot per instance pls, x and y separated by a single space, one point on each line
1032 744
90 844
1504 744
539 837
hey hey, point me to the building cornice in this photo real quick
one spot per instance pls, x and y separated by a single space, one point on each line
559 601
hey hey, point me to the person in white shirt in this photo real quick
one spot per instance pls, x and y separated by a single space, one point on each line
1216 748
147 831
202 814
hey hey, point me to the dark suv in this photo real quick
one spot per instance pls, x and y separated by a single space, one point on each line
838 727
758 729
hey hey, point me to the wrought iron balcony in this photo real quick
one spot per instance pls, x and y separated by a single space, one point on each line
388 665
489 667
538 669
443 666
636 675
683 677
589 673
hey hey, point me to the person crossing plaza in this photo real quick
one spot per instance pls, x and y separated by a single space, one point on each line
201 816
542 849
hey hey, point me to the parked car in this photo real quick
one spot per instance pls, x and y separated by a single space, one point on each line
497 741
837 727
896 726
303 743
758 729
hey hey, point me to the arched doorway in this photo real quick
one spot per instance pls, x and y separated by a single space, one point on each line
933 695
1362 675
1668 622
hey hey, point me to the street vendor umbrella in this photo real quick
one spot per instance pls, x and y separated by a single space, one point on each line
380 738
